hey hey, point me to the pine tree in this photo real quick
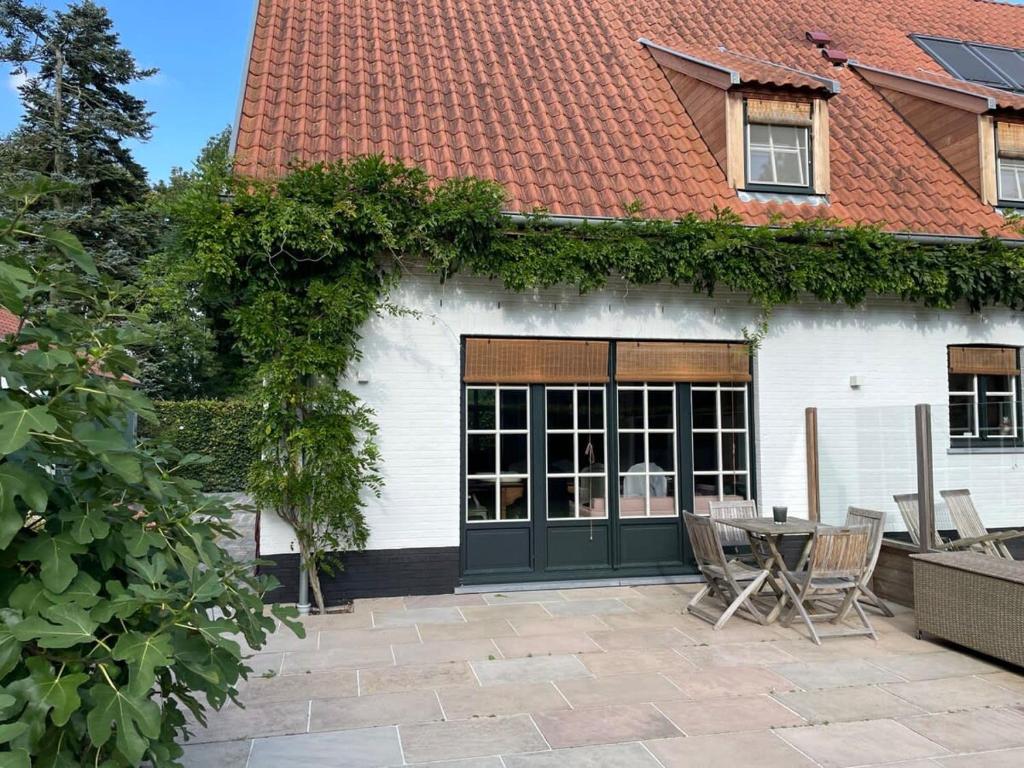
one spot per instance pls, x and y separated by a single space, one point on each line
78 118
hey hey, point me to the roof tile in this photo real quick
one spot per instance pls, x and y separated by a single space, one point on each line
560 103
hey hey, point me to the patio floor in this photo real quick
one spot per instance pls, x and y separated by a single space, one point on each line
607 678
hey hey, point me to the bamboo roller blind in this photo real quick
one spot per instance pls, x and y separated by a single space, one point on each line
778 112
1010 138
681 361
993 361
535 361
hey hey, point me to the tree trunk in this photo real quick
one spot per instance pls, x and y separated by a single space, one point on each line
314 575
58 119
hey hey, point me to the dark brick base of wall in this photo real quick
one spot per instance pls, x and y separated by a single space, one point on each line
373 573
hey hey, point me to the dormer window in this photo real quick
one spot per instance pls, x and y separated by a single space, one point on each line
1010 163
765 123
778 138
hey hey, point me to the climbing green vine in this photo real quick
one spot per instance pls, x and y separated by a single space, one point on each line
291 269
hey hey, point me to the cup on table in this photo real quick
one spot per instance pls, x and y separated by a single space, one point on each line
779 513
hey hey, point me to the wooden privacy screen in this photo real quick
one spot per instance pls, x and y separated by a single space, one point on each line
1010 139
535 361
994 361
681 361
778 112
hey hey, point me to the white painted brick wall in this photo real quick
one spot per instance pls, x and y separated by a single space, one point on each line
413 367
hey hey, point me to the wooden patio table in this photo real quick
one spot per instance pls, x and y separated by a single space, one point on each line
766 543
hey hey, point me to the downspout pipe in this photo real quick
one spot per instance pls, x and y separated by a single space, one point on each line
561 220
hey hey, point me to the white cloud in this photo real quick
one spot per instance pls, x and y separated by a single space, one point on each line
16 80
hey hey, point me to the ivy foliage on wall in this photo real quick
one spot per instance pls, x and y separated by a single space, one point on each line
774 265
221 430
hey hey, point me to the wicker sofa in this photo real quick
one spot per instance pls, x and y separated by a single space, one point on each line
972 599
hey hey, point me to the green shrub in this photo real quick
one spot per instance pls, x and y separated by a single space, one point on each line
220 429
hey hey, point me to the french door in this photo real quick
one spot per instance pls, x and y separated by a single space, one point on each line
583 480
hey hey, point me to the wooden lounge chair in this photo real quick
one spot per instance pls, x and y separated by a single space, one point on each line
969 526
725 579
907 503
835 569
876 522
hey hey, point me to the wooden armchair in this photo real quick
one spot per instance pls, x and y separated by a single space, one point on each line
725 578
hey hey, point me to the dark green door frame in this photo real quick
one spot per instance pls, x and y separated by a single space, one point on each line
547 550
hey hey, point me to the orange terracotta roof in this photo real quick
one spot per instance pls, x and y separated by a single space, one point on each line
560 103
998 98
9 322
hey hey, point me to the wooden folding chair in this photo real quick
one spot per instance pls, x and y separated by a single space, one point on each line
970 528
835 569
735 538
857 516
907 503
725 578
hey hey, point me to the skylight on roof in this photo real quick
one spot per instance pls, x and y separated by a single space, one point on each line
992 65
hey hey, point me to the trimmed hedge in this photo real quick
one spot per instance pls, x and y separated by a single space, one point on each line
220 429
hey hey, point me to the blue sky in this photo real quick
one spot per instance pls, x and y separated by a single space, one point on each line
199 47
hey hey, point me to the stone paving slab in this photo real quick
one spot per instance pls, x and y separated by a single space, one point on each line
931 666
760 748
264 690
605 725
470 630
641 639
361 748
510 699
757 713
587 607
953 693
551 626
436 651
258 719
972 731
835 705
843 745
415 677
373 710
835 674
605 756
544 645
662 660
220 754
535 670
618 689
1011 758
626 679
729 682
470 738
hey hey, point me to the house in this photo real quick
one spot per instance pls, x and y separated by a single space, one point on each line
548 436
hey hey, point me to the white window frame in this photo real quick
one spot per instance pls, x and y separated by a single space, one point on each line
718 431
805 166
1012 394
973 394
576 475
498 477
647 431
1018 170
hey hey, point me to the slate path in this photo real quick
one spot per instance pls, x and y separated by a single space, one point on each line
607 678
